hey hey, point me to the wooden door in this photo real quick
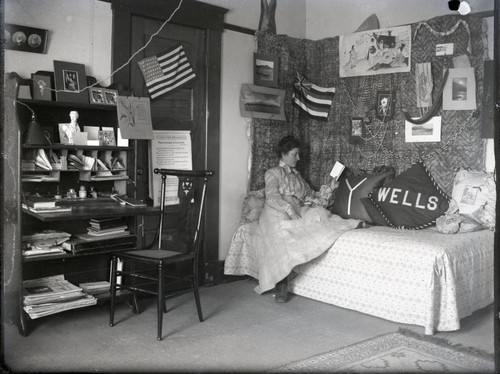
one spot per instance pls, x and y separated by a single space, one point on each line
196 107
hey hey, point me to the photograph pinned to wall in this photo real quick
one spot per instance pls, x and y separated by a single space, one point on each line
42 85
382 51
25 39
385 105
459 92
358 131
70 81
96 95
265 70
262 102
110 96
426 132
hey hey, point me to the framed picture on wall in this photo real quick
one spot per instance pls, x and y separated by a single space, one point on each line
42 85
265 70
426 132
70 81
262 102
357 131
96 95
25 38
459 92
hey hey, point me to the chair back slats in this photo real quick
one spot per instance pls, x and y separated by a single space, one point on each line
192 188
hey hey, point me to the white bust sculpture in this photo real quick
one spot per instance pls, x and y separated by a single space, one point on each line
69 129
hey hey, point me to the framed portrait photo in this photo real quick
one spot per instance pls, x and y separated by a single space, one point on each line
42 85
96 96
107 138
265 70
110 96
70 81
358 131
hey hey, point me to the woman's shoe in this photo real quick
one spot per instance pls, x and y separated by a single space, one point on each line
281 295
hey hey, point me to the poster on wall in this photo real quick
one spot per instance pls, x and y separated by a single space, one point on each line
170 149
381 51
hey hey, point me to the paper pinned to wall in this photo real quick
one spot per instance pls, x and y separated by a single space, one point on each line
134 117
170 149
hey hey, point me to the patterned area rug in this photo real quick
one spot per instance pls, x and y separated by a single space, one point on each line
400 352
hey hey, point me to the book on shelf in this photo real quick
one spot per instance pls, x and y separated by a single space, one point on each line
35 252
124 200
95 288
42 161
107 223
88 243
39 202
56 209
44 235
107 232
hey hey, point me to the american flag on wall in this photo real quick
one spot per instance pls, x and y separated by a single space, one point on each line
314 100
167 71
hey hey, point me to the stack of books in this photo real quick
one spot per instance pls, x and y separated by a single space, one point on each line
45 242
107 226
50 295
95 288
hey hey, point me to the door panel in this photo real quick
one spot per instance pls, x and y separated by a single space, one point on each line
185 108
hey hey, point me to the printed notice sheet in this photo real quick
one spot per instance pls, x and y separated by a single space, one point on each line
169 150
134 117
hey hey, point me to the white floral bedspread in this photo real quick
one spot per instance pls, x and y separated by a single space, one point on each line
415 277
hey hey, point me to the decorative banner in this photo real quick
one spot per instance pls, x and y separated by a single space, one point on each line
386 104
374 52
166 72
316 101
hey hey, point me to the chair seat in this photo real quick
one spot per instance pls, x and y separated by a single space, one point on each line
156 255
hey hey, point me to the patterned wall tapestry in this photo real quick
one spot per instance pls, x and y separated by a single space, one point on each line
324 142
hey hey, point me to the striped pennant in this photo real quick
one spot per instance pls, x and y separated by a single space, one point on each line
166 72
312 99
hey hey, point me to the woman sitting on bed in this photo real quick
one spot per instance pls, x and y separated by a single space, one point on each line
289 232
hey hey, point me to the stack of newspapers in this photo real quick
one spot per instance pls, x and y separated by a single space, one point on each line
50 295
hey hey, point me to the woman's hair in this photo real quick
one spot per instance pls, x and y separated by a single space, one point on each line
286 144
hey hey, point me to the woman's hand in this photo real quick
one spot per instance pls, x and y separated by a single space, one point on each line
334 185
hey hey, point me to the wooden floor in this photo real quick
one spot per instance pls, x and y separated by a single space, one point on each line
242 332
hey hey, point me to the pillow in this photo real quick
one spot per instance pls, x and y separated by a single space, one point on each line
412 200
347 201
252 206
474 192
374 213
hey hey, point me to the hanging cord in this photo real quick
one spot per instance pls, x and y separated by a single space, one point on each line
131 57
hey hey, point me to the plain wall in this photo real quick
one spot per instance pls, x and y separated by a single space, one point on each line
80 31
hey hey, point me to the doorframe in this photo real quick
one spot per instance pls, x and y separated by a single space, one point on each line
211 19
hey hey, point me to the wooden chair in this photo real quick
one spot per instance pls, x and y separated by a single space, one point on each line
144 270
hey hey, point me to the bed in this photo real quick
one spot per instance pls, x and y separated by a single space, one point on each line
422 277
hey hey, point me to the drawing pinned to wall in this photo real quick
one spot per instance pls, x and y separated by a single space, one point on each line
374 52
357 131
424 83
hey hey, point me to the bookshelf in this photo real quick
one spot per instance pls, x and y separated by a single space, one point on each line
24 178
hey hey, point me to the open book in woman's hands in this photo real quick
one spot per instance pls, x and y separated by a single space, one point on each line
337 170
